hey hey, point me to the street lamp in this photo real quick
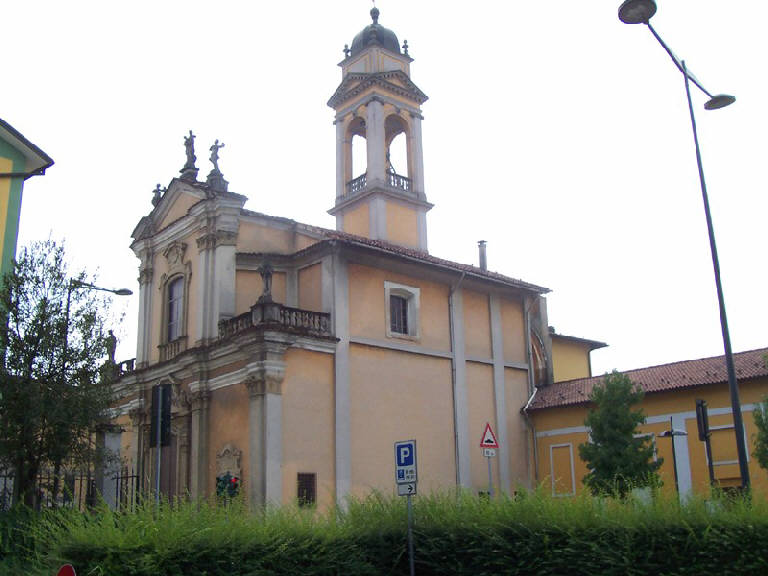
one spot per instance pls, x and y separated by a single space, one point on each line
671 433
640 12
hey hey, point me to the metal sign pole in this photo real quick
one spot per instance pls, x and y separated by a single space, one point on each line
410 535
490 478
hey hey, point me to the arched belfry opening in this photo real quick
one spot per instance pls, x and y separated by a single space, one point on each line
379 159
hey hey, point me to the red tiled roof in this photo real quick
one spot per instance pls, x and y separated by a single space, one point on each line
685 374
402 251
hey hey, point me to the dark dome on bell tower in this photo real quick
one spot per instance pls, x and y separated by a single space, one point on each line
375 34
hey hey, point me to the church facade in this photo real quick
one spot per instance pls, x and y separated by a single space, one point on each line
292 357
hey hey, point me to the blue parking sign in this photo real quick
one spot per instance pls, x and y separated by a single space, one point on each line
405 462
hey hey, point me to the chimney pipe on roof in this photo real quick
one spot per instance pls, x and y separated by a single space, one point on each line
483 257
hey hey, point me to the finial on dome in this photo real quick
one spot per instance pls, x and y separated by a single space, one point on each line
375 15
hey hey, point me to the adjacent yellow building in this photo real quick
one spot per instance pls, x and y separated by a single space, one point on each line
557 415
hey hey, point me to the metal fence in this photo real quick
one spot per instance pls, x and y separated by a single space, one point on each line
76 489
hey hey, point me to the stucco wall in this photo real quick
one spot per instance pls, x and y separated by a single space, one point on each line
356 220
310 288
513 326
398 396
570 360
228 424
308 423
402 224
477 326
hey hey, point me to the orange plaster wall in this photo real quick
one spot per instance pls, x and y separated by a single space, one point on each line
402 224
481 410
398 396
477 325
570 360
308 423
367 306
248 288
228 423
311 288
356 220
513 326
180 208
253 237
518 434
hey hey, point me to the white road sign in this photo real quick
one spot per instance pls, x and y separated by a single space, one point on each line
406 489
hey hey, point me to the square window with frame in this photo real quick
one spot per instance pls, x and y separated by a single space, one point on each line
402 311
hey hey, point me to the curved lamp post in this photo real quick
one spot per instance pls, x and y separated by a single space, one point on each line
640 12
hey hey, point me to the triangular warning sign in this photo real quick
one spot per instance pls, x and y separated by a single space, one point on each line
489 438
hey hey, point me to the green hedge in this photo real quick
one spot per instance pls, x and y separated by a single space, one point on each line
533 534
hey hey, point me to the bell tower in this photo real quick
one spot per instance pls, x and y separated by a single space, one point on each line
377 101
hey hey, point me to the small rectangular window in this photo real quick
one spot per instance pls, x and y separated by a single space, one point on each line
307 488
398 314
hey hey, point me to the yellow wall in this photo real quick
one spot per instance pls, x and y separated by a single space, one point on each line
228 424
402 224
570 360
518 435
180 207
477 325
356 220
249 287
481 411
513 327
397 396
367 306
665 404
308 423
253 237
311 288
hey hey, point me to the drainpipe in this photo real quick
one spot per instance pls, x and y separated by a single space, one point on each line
453 375
531 389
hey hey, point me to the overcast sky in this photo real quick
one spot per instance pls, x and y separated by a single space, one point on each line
553 131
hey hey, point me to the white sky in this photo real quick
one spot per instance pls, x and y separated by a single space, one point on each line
553 131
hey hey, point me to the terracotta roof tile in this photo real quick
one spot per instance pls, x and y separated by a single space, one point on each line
685 374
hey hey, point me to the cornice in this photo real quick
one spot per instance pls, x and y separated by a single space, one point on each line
363 81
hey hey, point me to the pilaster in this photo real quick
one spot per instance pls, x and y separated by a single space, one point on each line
144 336
417 176
340 319
461 411
198 460
265 426
499 391
375 143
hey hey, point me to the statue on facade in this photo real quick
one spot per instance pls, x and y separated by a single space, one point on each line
189 171
215 155
215 179
266 278
111 342
157 194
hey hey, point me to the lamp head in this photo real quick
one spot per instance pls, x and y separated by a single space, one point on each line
123 292
719 101
637 11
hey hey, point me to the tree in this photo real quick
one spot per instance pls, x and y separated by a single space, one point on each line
760 438
617 459
55 388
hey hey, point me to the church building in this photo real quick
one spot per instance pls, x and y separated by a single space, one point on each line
293 357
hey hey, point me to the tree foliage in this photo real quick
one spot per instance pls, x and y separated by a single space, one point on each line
54 381
760 438
617 459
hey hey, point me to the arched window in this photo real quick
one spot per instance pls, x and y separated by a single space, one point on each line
175 307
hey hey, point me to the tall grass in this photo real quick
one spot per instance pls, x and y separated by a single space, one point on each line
454 534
